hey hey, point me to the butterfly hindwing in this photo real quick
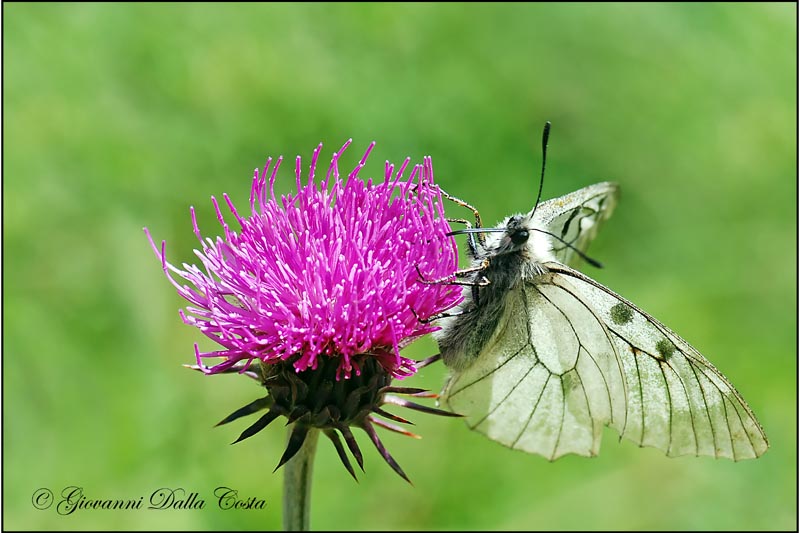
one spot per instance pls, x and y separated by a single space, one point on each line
542 384
685 405
572 356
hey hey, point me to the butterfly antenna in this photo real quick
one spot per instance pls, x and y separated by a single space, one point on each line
476 230
545 138
595 263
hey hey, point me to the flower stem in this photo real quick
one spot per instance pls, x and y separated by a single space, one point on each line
297 485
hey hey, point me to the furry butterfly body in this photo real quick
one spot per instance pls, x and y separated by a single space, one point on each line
542 357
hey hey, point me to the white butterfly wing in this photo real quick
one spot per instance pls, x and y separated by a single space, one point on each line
571 356
547 381
576 218
677 400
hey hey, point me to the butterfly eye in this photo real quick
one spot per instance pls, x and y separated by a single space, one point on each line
519 237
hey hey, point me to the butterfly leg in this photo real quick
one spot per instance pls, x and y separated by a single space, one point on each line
448 280
462 203
428 360
473 248
442 315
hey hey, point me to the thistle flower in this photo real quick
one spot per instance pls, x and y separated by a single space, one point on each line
318 291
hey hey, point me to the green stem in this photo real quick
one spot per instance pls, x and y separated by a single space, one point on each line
297 484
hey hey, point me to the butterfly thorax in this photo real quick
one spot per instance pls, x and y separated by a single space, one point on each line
514 256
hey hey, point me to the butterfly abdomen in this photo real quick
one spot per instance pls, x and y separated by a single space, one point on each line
463 337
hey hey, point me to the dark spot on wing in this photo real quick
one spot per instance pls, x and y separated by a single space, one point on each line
665 349
621 314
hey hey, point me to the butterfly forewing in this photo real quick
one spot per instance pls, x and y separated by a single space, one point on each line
576 217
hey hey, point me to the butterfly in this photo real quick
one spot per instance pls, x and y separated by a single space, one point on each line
542 357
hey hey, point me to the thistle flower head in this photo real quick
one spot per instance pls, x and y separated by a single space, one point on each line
315 293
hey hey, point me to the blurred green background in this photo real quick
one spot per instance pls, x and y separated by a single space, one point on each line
122 116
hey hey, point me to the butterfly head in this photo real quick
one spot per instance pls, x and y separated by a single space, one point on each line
518 234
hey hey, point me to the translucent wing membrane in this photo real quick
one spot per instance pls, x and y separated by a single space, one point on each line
576 218
677 400
571 356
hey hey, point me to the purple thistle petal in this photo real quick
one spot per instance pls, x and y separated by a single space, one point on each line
328 271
